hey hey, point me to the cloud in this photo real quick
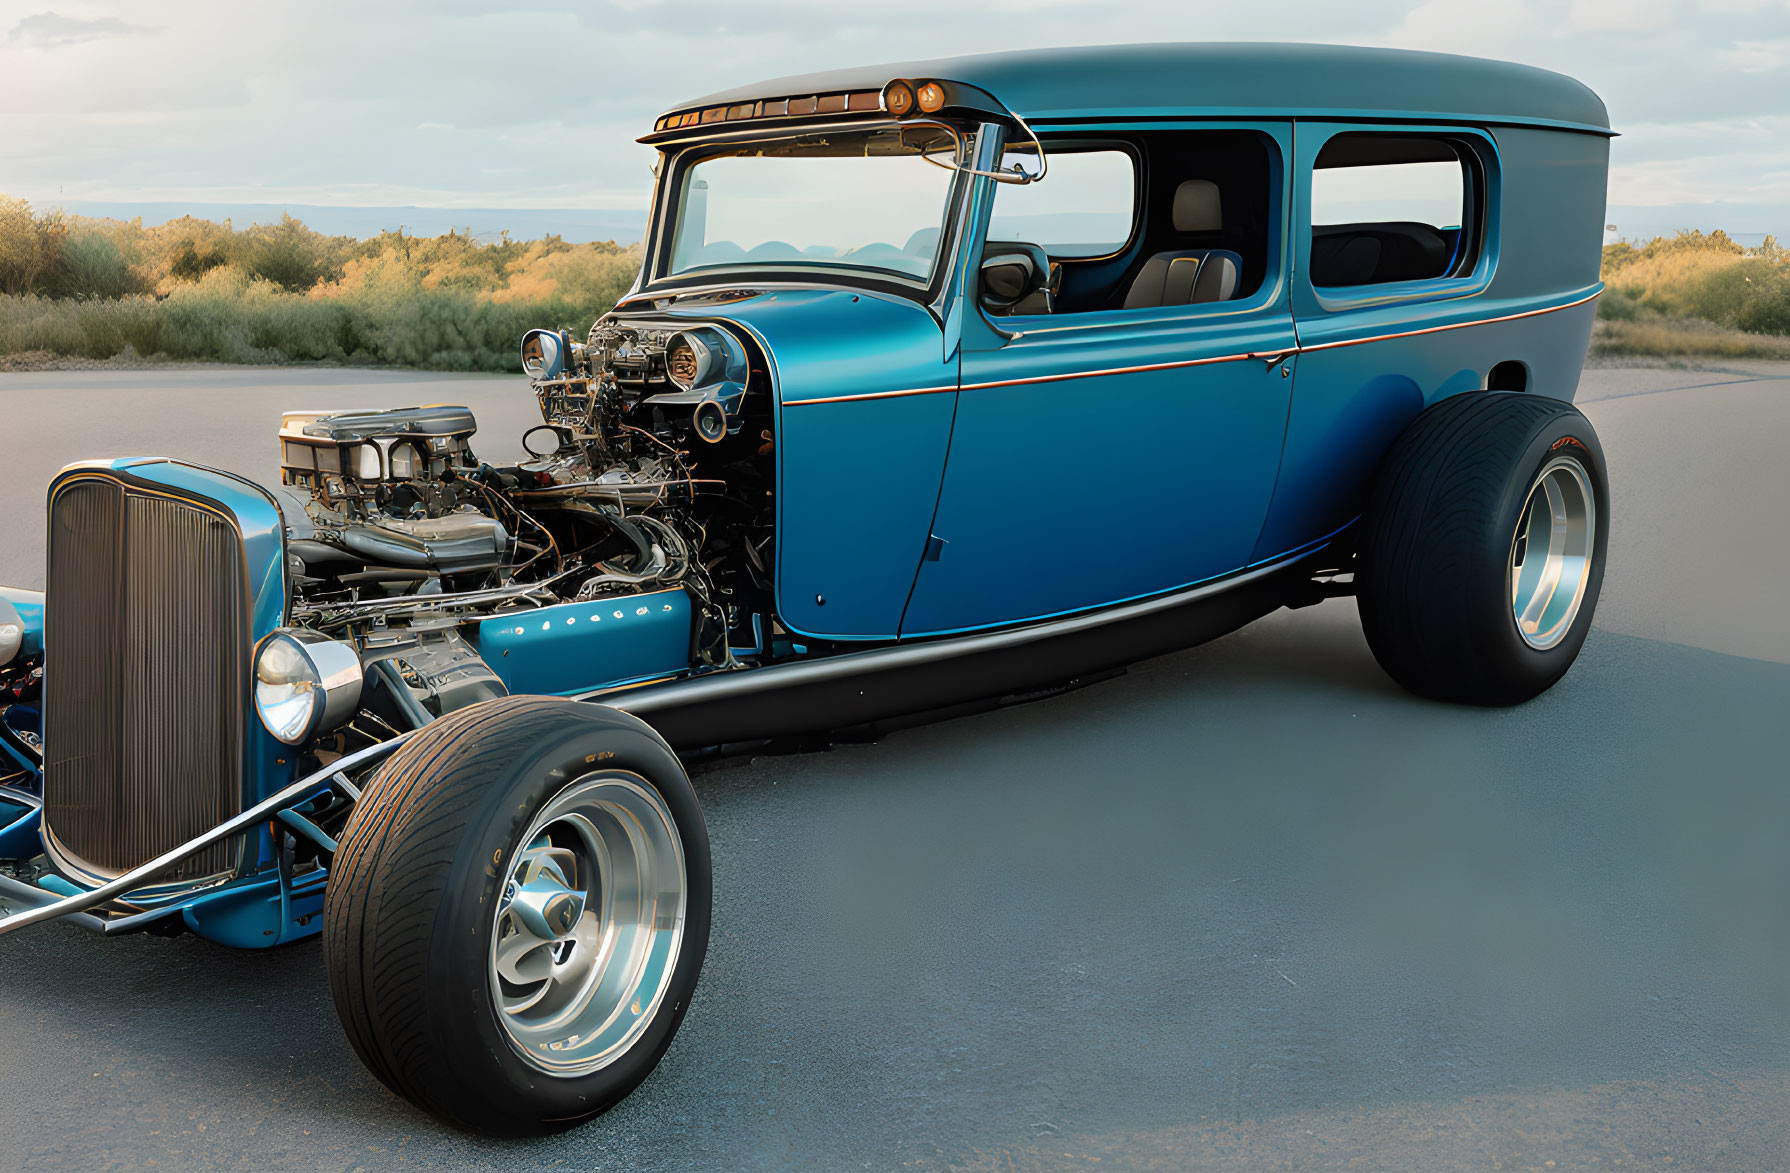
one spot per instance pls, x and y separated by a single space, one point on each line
52 30
1448 25
1756 56
486 90
1621 16
1741 7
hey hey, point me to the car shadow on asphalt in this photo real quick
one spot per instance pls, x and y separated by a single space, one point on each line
1247 883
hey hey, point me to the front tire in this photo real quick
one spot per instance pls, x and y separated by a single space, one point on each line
1482 548
517 914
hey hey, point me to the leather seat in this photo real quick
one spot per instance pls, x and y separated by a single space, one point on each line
1189 276
1372 254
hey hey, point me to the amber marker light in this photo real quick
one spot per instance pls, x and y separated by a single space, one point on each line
898 98
931 96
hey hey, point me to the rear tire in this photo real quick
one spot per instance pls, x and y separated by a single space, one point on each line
517 914
1482 548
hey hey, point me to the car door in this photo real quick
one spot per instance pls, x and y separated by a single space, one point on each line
866 385
1395 242
1109 454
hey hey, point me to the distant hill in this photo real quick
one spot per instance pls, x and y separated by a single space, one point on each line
1745 224
575 225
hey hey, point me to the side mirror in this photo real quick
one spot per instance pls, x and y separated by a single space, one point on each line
543 354
1012 273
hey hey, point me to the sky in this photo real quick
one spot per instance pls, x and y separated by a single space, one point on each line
535 104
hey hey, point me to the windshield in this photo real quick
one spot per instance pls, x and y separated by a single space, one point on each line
856 201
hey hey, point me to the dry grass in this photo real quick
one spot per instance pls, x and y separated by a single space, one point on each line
1682 338
1696 276
195 290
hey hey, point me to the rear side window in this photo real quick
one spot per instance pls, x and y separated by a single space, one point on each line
1084 208
1388 208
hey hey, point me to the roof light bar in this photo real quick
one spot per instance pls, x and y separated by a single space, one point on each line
851 102
900 97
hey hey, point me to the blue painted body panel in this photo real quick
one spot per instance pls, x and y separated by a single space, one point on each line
1039 516
256 913
20 824
1366 371
575 647
857 480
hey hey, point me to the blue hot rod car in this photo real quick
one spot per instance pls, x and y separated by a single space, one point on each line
942 383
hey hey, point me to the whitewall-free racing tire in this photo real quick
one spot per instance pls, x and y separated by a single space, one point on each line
517 914
1482 547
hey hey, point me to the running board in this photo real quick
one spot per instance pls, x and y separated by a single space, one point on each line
859 688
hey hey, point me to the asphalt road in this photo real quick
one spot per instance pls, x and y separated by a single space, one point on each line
1246 907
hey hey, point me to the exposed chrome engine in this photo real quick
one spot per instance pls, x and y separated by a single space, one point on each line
649 472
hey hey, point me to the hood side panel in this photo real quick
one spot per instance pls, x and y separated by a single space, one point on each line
864 410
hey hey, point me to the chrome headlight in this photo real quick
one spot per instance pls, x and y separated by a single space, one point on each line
688 361
305 684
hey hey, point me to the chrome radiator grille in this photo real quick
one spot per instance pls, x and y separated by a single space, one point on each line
146 668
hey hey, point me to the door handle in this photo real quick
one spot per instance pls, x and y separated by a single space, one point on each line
1275 358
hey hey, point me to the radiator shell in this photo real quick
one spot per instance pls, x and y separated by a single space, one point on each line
161 579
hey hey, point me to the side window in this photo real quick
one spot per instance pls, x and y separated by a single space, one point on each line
1388 208
1084 207
1146 220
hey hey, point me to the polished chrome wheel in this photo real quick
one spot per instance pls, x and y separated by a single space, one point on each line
589 925
1551 552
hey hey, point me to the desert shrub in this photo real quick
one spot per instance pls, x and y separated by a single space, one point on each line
189 264
30 245
198 289
92 264
1699 276
1766 315
229 317
1619 305
1756 297
287 254
86 328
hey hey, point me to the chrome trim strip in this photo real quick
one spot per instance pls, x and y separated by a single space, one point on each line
1267 356
869 395
1169 115
34 897
24 798
672 148
632 303
1552 309
266 809
1158 366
